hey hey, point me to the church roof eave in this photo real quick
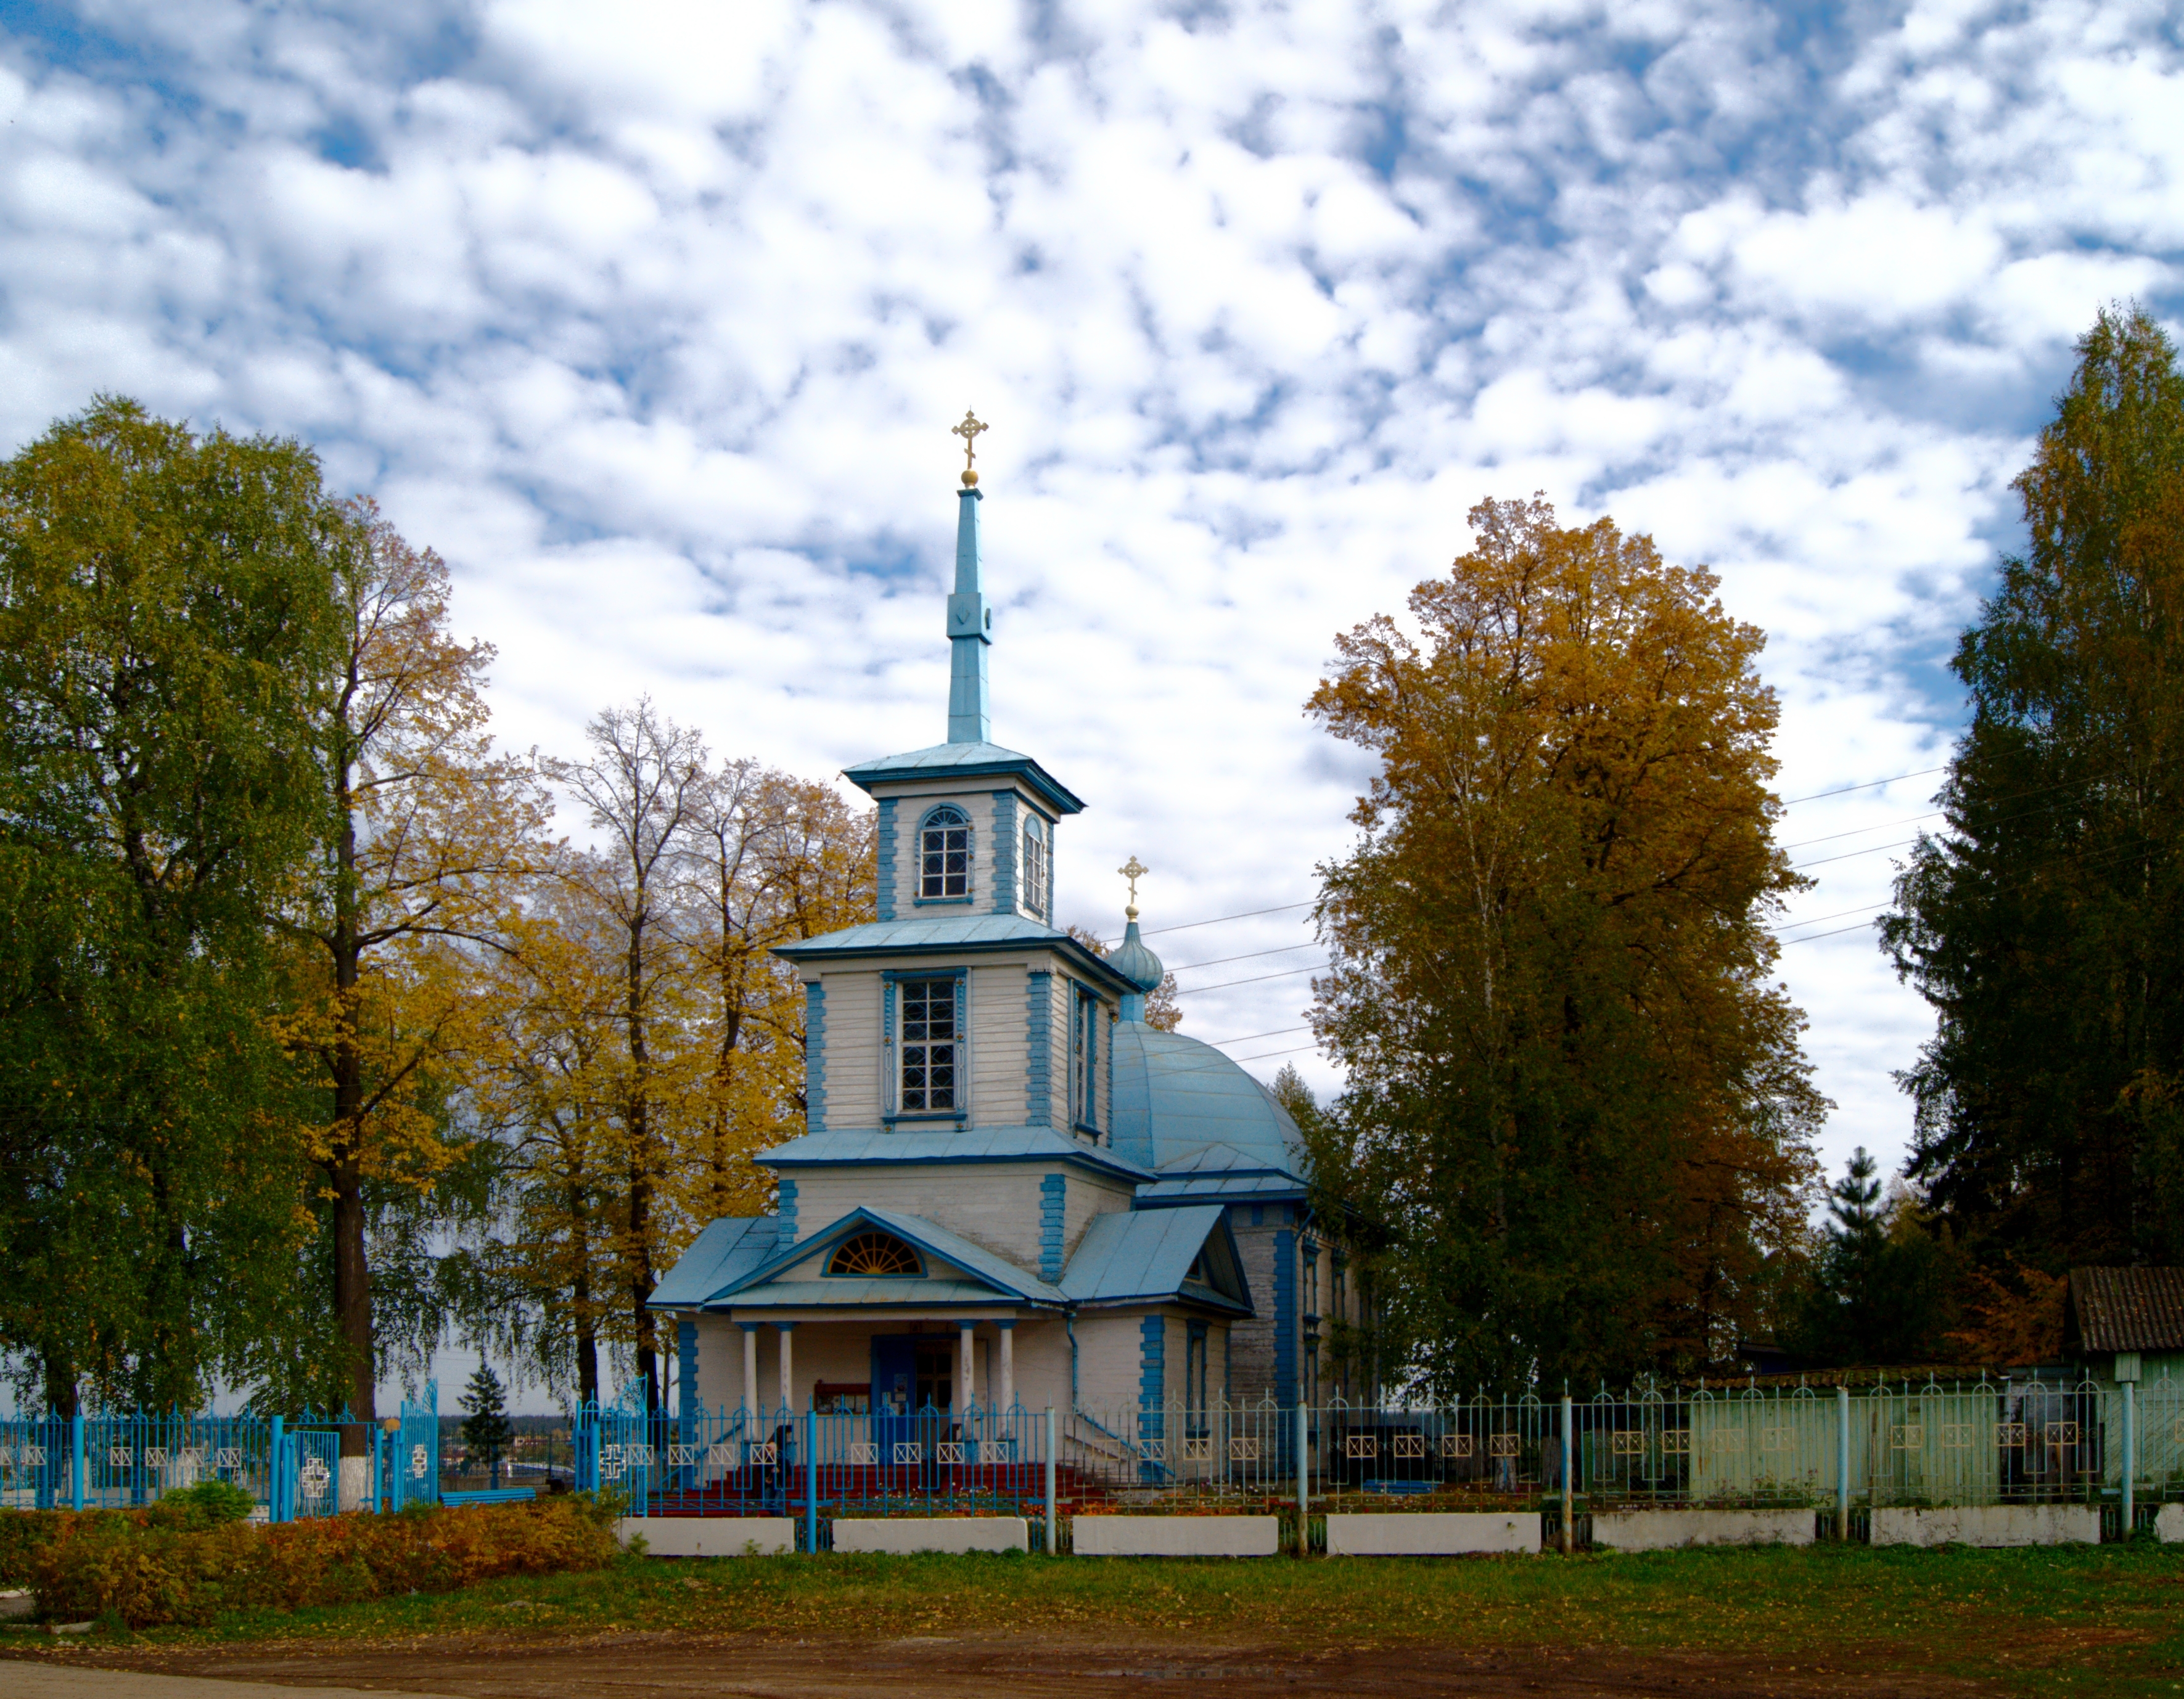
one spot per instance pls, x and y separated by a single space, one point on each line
954 935
965 760
972 1144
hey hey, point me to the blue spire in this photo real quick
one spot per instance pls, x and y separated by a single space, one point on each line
969 623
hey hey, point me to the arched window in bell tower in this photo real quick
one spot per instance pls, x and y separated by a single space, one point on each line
943 855
1038 869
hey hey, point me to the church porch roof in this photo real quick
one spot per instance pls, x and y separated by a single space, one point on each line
982 1278
1126 1257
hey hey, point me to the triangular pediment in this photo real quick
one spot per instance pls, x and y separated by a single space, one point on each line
883 1257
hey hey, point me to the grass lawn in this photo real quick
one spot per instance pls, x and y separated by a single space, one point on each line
2107 1619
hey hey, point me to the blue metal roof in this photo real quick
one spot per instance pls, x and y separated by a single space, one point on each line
1001 1277
724 1252
1126 1257
955 934
1175 1097
965 760
972 1145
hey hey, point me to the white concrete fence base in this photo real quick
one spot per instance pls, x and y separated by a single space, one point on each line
1178 1536
932 1534
2169 1523
1992 1525
710 1536
1430 1533
1667 1530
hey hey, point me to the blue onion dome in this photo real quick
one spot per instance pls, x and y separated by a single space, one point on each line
1133 961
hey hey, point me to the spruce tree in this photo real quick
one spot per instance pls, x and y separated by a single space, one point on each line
486 1429
2045 921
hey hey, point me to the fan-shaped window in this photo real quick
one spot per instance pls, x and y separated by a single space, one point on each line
943 854
875 1253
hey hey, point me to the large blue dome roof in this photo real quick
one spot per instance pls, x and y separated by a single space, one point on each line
1175 1097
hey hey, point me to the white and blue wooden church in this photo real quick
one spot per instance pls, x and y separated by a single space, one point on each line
1011 1189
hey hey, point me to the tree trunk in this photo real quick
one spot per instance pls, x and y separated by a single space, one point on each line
345 1172
640 1164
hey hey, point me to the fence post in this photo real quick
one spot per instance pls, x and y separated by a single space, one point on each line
2129 1450
1569 1481
76 1465
1842 1462
1053 1519
1304 1480
277 1450
811 1478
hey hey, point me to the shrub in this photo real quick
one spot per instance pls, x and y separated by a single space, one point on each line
207 1504
152 1574
23 1535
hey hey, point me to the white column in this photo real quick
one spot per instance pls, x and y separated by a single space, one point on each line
963 1374
751 1366
787 1374
1008 1401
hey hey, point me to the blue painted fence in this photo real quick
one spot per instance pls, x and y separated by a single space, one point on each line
290 1464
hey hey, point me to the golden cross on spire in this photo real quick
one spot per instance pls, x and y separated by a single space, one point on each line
968 431
1134 870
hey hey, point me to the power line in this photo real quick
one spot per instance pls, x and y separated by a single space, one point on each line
1291 973
1871 784
1249 956
1278 1032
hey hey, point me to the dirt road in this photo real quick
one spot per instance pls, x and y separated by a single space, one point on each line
1041 1667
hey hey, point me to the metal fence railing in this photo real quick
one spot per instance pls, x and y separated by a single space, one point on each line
292 1466
1987 1441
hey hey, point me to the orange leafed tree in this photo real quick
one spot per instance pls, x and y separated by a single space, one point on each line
1578 1107
430 837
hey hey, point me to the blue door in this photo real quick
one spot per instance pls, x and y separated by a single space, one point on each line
895 1392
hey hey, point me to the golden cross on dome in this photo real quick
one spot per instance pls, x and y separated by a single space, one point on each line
1134 870
968 431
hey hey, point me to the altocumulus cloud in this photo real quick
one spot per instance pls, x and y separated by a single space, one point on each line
651 317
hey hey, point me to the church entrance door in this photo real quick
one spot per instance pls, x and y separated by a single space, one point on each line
912 1374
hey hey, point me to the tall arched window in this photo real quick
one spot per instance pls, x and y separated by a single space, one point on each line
945 855
1037 869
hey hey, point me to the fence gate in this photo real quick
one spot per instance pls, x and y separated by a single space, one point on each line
415 1464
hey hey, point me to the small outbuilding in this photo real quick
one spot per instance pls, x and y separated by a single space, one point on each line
2126 1325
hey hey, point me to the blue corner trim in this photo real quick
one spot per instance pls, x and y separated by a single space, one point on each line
1004 852
786 1235
1053 1198
1039 1054
884 889
1285 1317
815 1058
1152 1360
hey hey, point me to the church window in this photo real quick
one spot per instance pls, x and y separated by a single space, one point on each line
1194 1375
875 1254
929 1045
1083 1063
1037 872
944 855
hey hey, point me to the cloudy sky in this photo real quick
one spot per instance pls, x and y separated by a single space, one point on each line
652 318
